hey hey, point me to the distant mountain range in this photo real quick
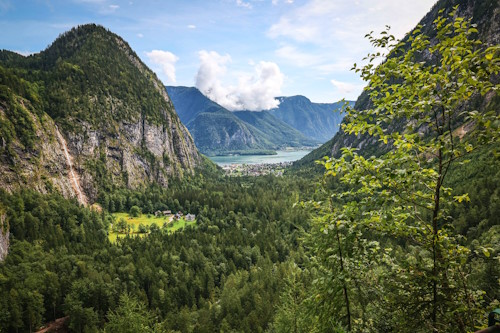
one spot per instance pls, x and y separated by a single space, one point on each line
297 122
217 130
319 121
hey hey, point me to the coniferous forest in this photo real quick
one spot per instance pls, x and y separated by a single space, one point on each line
399 231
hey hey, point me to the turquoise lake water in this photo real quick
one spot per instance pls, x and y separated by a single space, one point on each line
282 156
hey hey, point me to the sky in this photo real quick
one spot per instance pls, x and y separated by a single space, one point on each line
240 53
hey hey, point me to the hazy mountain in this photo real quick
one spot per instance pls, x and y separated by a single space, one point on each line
87 114
275 130
319 121
217 131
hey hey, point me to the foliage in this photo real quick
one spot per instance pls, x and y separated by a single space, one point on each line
130 316
135 211
402 196
225 273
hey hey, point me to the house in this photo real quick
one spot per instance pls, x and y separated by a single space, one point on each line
157 213
190 217
167 212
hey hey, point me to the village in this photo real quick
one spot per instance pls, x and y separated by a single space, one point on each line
174 217
238 170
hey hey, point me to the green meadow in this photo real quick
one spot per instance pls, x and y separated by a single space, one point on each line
163 222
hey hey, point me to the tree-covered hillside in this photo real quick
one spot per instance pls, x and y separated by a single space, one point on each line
318 121
220 131
484 14
224 274
399 233
90 95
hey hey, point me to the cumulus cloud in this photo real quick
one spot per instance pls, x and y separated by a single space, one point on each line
323 22
253 91
191 26
166 61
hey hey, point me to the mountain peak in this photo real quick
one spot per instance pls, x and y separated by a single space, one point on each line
107 108
294 99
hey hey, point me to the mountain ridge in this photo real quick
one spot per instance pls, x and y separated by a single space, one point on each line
318 121
120 126
217 130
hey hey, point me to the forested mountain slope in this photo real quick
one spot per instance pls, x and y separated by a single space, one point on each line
276 130
85 115
318 121
218 131
485 14
407 230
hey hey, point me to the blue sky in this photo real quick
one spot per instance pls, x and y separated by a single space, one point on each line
240 53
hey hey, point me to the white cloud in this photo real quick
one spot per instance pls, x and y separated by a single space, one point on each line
191 26
114 7
244 4
347 90
256 91
313 22
166 60
140 35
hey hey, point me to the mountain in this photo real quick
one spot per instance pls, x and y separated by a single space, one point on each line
274 129
218 131
485 14
85 115
318 121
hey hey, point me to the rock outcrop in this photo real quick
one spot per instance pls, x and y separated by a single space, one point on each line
93 117
4 236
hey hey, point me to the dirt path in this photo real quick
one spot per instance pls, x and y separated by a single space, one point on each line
56 326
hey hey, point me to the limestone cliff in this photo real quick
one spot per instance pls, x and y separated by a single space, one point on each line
4 236
86 115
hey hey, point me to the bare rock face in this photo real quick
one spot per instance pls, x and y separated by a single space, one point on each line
43 168
98 131
4 237
137 154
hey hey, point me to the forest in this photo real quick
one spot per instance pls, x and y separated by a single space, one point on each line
401 237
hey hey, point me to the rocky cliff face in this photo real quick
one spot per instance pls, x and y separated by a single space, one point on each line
4 237
93 116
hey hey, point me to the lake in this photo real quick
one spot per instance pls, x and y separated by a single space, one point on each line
282 156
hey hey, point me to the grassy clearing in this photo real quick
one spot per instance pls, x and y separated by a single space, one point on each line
142 219
164 223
